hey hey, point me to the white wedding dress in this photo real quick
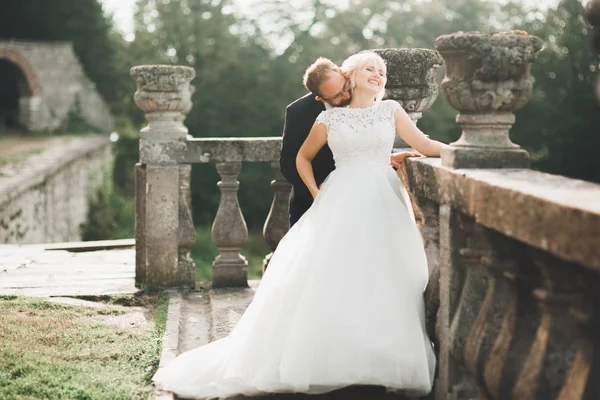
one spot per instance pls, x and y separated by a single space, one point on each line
342 300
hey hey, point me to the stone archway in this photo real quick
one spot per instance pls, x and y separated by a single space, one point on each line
19 91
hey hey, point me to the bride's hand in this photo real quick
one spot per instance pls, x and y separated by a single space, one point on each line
397 159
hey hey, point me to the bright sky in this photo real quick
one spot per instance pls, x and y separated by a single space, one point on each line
122 11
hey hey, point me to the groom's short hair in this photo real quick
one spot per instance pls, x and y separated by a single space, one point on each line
317 73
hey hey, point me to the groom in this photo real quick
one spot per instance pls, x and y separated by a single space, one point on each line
328 88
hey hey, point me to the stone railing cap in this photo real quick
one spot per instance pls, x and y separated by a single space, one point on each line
479 40
551 212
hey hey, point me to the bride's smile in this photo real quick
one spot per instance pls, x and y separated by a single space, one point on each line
371 77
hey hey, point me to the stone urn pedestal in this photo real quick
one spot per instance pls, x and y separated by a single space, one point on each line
488 77
164 229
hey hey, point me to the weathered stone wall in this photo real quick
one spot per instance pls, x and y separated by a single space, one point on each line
57 85
514 292
45 198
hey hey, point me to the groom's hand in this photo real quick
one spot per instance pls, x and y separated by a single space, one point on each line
397 159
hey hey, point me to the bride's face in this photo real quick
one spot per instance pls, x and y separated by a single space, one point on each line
371 77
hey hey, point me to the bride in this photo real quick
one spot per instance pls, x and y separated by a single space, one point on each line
342 300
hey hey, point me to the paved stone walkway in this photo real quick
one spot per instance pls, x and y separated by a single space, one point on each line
71 269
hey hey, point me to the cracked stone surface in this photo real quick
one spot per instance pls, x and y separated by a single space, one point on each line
34 270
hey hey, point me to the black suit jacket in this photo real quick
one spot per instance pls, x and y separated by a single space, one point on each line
299 118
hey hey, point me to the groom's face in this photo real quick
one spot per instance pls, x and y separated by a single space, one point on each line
335 90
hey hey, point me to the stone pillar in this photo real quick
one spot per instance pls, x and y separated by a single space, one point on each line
487 79
164 94
140 229
229 231
187 231
278 222
411 81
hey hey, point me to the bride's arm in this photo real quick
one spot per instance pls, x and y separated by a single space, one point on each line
412 135
317 138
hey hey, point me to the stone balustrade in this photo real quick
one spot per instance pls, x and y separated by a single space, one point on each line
515 253
164 227
517 281
513 303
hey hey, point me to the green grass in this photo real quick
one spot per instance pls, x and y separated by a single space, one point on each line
204 252
52 351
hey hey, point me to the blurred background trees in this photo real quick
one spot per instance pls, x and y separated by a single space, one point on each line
249 66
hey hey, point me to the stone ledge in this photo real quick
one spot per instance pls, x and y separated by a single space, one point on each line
96 245
39 167
211 150
35 44
556 214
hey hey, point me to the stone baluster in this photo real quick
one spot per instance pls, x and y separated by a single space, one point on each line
559 362
411 81
278 222
164 94
463 286
487 79
229 231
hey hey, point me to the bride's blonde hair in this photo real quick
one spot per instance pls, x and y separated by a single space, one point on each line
358 61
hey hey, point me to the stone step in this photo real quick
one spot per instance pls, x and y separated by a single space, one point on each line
349 393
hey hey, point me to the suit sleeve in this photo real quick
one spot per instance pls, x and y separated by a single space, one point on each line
293 137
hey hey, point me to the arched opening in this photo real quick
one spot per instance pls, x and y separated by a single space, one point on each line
13 87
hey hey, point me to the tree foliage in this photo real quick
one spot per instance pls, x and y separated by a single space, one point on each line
249 67
81 22
559 125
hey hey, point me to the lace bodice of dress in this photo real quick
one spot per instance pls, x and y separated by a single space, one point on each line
361 134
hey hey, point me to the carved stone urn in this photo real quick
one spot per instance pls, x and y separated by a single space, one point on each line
488 77
164 93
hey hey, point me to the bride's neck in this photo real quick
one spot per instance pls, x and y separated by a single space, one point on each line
362 99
